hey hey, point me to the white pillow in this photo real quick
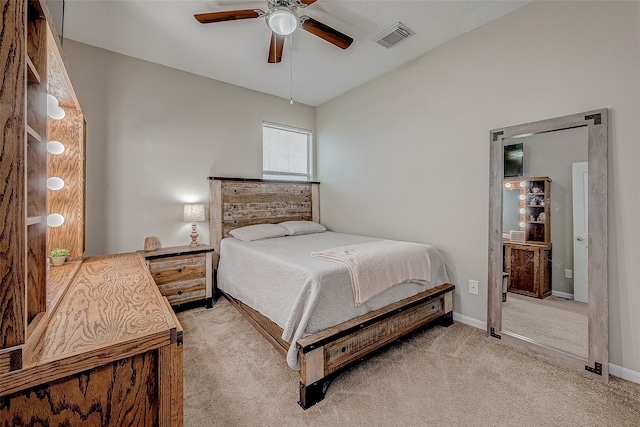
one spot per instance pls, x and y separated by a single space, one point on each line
258 232
296 228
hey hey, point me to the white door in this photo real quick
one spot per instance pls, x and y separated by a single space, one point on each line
580 231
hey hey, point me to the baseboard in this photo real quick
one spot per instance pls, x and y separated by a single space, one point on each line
615 370
457 317
562 294
620 372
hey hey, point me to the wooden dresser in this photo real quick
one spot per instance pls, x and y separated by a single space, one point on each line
108 354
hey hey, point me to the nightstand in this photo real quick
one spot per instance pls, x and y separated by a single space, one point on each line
184 274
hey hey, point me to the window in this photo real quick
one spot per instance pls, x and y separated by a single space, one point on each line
286 152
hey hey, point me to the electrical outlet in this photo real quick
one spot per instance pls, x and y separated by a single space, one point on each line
473 287
568 274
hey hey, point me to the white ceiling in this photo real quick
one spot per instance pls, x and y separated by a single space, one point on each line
165 32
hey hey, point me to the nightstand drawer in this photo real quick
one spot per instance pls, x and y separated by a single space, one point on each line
184 274
178 268
184 291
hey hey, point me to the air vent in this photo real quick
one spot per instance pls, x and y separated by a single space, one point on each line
393 35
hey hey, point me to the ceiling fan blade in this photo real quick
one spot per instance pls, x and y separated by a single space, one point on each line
276 48
229 15
307 2
323 31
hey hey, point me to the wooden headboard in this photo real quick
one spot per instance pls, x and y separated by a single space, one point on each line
238 202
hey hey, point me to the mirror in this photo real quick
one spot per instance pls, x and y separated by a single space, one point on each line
510 208
547 249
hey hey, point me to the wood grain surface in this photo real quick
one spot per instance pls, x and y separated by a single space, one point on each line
58 79
112 309
70 200
12 207
111 299
122 393
36 270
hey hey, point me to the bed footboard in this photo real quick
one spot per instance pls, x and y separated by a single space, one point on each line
327 352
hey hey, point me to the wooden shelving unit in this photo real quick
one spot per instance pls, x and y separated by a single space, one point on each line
54 368
528 263
29 48
537 216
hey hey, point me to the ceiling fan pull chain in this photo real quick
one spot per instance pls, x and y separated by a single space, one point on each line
291 80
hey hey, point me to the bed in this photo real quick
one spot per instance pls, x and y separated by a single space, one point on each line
315 325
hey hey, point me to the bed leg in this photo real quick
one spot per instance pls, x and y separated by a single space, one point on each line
313 393
209 302
446 319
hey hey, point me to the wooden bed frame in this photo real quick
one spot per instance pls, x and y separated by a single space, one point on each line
238 202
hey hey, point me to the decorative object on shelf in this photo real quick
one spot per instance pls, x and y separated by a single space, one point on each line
151 243
193 213
58 256
537 201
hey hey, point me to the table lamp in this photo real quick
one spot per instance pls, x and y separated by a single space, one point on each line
193 213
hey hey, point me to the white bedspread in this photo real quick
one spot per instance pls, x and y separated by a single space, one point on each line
376 266
301 294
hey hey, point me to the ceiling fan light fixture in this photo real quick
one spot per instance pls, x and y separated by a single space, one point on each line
282 20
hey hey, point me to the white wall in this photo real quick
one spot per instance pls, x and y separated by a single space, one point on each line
406 156
154 135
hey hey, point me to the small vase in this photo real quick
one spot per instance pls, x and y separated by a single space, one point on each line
58 260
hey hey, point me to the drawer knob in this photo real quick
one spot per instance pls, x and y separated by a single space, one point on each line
179 270
179 292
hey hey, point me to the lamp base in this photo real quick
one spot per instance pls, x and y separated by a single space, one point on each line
194 236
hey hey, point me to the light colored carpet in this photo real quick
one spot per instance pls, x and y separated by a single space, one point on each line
440 377
553 321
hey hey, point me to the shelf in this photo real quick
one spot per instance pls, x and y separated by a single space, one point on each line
31 220
32 74
32 134
535 206
535 222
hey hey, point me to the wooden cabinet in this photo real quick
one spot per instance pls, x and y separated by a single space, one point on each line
528 267
184 274
111 355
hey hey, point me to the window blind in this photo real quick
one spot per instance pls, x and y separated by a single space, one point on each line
285 152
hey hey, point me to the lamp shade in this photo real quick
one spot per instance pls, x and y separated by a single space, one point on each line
282 21
194 212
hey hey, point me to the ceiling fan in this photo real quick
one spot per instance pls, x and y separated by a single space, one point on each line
282 19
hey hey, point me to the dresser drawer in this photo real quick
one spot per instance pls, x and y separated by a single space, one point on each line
178 268
184 291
